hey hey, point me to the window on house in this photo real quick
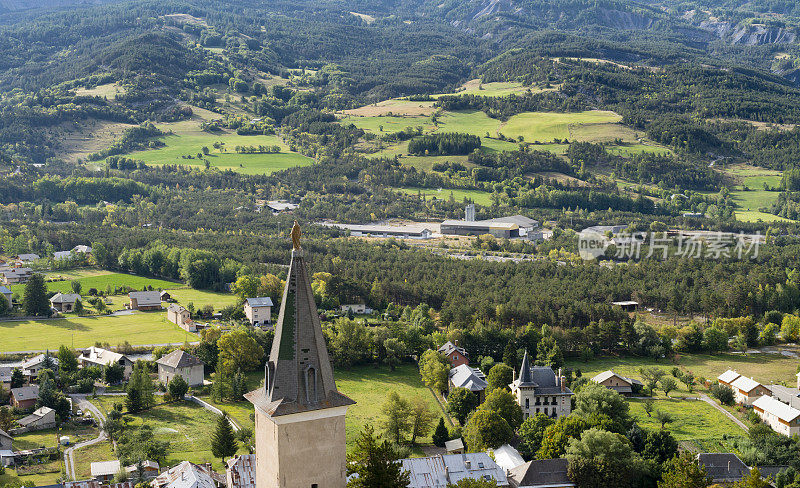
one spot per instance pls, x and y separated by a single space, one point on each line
527 403
314 485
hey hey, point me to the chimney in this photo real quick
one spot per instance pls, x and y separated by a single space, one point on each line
729 466
456 342
563 388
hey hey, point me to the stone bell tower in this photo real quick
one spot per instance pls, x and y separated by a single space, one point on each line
300 430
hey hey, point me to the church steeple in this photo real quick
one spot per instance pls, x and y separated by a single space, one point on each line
298 375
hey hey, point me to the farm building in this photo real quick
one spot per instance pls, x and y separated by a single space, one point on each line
145 300
62 255
181 317
64 302
400 232
180 362
241 471
479 227
456 355
43 418
618 383
24 397
104 471
627 305
439 471
472 379
165 296
258 310
27 258
96 356
278 207
541 473
539 390
747 390
782 418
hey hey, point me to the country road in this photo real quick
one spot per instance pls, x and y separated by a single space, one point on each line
714 404
86 405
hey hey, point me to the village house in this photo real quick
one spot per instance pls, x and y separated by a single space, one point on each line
356 308
727 378
41 419
456 355
5 441
6 450
472 379
104 471
181 317
542 473
24 397
189 475
165 296
789 396
150 469
144 300
27 258
618 383
180 362
439 471
723 467
62 255
258 311
747 390
82 249
64 302
782 418
539 390
5 376
241 471
92 484
15 276
97 356
7 294
31 367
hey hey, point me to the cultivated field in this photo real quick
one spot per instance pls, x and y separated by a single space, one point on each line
395 107
136 328
479 197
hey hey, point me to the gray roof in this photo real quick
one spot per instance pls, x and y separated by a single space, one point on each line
30 392
4 290
179 359
4 434
723 466
542 472
146 298
177 308
105 468
36 416
520 220
449 347
541 378
438 471
298 349
480 224
36 360
65 298
472 379
260 302
790 396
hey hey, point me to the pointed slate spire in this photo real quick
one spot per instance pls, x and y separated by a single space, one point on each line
525 378
298 375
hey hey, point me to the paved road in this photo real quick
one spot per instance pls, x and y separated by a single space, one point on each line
714 404
152 346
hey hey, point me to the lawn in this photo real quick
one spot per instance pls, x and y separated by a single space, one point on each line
369 387
755 216
693 419
765 368
49 437
137 328
185 425
546 126
202 297
179 147
83 458
479 197
99 279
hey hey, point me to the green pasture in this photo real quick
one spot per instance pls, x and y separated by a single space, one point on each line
83 458
180 147
479 197
755 216
136 328
201 298
692 419
99 279
546 126
389 123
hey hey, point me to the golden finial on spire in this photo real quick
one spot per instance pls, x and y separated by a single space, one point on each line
296 233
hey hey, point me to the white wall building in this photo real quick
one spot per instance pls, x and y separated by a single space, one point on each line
783 418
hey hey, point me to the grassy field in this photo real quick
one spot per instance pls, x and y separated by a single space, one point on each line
545 126
99 279
84 458
202 297
693 419
185 425
479 197
388 123
369 386
137 328
49 437
178 146
493 89
755 197
755 216
765 368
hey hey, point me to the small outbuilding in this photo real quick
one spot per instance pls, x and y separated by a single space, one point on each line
64 302
145 300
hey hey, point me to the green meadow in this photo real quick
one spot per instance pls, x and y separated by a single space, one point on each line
479 197
546 126
692 419
98 279
136 328
179 148
388 123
